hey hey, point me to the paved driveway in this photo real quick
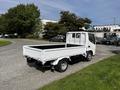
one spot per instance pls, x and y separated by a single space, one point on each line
16 75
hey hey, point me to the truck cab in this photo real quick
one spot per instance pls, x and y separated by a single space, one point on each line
83 39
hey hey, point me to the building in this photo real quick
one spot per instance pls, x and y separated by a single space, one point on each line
110 28
45 21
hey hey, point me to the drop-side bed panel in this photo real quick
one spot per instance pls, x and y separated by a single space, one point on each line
63 52
32 52
43 54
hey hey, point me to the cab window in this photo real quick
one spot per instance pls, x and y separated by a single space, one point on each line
73 35
77 35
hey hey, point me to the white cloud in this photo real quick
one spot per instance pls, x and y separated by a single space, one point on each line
58 4
9 1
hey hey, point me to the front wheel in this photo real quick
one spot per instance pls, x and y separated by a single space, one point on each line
89 56
62 65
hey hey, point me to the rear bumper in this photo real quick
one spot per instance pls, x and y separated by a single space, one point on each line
39 62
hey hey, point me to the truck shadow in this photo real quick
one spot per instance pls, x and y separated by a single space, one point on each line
74 60
39 67
77 59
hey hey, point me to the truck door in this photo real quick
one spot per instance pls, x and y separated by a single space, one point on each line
91 43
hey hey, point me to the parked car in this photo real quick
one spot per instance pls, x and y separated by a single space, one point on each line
1 36
58 38
98 40
6 36
10 35
111 40
108 40
104 41
116 41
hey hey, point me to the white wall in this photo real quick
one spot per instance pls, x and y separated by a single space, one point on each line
110 27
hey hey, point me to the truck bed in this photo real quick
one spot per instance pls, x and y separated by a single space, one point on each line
49 52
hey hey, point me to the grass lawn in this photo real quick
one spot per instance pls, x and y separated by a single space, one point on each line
4 42
104 75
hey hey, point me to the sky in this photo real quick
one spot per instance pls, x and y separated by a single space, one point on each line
99 11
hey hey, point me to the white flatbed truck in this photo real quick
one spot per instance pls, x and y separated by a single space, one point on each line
58 55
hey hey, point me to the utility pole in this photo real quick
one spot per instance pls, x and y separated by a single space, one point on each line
114 20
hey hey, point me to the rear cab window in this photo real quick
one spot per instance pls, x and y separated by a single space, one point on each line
73 35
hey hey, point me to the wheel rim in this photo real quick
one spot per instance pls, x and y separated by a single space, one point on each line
64 65
89 57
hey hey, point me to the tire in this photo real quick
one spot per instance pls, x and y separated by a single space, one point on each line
62 65
89 56
29 60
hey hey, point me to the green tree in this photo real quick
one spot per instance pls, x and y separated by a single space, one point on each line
87 23
22 18
54 29
68 22
3 24
37 29
72 22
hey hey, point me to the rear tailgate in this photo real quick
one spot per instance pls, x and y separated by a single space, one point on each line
32 52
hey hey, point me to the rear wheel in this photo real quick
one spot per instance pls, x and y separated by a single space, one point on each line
29 60
62 65
89 56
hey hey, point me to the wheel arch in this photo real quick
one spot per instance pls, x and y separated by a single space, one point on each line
59 59
90 51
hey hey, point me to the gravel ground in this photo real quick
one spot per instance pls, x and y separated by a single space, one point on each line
15 74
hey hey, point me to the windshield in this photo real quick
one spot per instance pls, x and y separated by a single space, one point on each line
91 38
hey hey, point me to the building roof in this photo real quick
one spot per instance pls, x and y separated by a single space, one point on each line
44 21
107 25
